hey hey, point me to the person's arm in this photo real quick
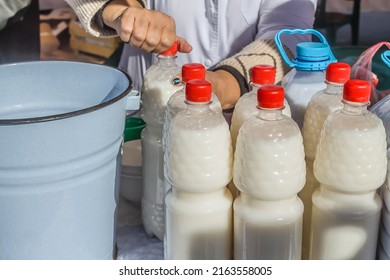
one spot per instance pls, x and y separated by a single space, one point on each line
148 30
231 77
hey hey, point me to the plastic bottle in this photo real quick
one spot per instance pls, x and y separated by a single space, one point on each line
350 165
308 74
161 80
269 170
199 161
246 106
321 105
176 102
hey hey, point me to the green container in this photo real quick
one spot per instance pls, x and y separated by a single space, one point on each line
133 128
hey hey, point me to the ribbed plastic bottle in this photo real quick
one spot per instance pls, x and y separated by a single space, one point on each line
308 74
269 170
350 165
321 105
246 106
176 102
161 80
199 159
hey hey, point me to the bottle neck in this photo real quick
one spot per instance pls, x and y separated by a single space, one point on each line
198 107
334 88
166 60
270 114
355 108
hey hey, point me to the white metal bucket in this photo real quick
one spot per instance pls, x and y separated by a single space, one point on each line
60 159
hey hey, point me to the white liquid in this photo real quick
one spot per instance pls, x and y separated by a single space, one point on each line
199 226
319 108
246 107
157 88
351 155
199 156
344 226
267 230
152 181
176 104
299 88
269 154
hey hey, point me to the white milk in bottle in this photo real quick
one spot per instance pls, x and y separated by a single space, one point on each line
350 165
321 105
308 74
176 102
269 170
161 80
199 162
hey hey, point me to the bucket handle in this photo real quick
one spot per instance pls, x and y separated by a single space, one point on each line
298 31
386 57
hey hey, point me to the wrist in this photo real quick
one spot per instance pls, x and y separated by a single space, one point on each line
114 9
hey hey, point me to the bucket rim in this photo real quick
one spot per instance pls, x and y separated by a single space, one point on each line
72 113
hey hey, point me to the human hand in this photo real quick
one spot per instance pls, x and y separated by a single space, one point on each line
225 86
149 30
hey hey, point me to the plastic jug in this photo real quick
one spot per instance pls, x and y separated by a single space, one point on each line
308 74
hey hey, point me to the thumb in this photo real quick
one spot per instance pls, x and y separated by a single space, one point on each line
183 45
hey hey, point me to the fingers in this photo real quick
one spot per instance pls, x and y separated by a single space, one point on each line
149 30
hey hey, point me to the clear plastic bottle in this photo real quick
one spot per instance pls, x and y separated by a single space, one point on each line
199 160
350 165
321 105
246 106
161 80
176 102
269 170
308 74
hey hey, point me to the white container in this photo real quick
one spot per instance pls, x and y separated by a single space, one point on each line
321 105
269 170
199 166
161 80
308 74
131 171
350 164
176 102
60 159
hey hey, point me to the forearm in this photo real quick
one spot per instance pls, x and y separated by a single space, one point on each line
236 70
90 14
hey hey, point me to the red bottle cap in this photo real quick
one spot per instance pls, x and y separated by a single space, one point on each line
270 96
263 74
198 90
171 51
191 71
357 91
338 72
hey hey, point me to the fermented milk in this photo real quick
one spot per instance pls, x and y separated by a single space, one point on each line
246 106
269 170
320 106
350 165
176 102
161 80
308 74
199 162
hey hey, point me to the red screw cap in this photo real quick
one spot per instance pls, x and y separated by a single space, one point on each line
171 51
198 90
357 91
338 72
191 71
270 96
263 74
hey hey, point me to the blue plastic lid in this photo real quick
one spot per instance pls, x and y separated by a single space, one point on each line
312 56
